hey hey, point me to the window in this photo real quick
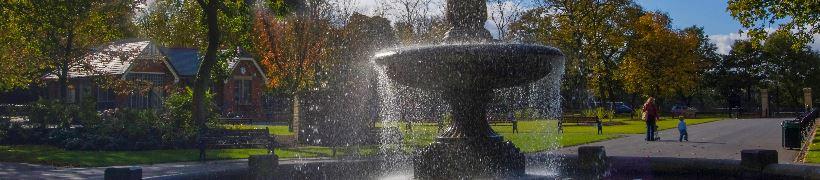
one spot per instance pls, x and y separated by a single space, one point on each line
145 100
71 95
151 99
138 100
242 92
105 98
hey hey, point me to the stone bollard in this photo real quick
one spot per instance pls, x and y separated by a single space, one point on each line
591 156
592 161
123 173
757 159
753 161
263 167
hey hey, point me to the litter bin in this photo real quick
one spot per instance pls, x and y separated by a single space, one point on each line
792 137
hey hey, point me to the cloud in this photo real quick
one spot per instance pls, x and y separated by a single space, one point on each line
724 42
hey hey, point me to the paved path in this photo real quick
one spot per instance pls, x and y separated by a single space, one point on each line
717 140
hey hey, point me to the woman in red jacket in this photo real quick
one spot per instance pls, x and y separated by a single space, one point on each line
650 115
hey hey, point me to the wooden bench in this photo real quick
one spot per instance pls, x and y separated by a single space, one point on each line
236 120
504 122
242 138
500 122
579 120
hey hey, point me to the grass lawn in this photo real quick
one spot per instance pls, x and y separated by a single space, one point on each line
637 126
537 136
813 155
49 155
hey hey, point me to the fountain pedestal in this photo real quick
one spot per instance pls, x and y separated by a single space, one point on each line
469 148
459 158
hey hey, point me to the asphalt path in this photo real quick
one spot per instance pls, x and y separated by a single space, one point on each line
716 140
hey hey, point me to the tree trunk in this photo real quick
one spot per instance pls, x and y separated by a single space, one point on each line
64 67
295 116
203 77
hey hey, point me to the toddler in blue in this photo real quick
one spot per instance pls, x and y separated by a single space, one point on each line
684 136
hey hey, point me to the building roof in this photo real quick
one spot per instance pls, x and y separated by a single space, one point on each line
243 55
185 60
115 59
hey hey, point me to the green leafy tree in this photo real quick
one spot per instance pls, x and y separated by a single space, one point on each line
210 25
787 70
662 61
17 50
53 36
800 16
592 34
706 57
736 74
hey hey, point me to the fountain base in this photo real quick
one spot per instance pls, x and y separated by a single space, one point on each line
460 158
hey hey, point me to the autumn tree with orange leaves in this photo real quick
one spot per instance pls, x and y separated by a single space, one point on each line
294 50
663 62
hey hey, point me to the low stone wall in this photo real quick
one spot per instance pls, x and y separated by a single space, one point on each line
591 163
755 164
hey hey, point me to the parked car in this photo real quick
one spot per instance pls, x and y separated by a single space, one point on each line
622 109
681 110
619 107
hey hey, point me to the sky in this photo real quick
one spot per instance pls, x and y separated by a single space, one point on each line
712 15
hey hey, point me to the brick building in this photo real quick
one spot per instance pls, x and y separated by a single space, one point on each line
148 73
139 64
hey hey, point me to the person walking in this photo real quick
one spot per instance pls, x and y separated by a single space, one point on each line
650 115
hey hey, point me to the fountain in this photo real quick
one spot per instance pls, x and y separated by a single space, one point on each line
465 71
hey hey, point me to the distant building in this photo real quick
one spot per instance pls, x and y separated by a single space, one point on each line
152 72
138 62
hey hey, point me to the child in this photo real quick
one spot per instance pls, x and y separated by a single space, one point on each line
514 122
600 127
682 130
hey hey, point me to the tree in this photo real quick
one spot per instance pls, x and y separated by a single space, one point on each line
787 70
211 20
294 50
593 36
661 62
53 36
736 74
803 17
203 75
706 58
503 13
18 50
415 20
174 23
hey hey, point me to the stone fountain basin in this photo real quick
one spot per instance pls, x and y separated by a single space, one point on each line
468 67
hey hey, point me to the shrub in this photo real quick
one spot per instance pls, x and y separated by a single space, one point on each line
51 122
526 113
46 113
87 114
180 128
600 112
637 114
4 128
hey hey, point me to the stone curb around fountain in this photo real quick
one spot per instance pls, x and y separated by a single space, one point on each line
756 164
591 162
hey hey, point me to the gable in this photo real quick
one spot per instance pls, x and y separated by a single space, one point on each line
249 65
